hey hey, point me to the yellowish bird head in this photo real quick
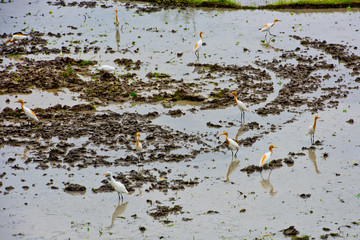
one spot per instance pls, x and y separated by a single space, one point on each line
107 173
138 134
116 10
9 40
316 117
277 20
224 133
20 101
234 93
271 147
201 33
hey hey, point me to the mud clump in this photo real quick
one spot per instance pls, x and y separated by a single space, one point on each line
128 63
269 166
74 187
290 231
163 211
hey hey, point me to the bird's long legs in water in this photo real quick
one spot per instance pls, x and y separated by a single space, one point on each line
232 153
120 196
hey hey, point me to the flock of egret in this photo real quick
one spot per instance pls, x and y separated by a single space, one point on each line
232 145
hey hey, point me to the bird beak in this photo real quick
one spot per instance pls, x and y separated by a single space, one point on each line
105 174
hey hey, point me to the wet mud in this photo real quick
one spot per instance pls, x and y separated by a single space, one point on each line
50 141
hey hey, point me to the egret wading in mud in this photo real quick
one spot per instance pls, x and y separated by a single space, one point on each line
105 68
266 157
231 144
16 37
311 129
267 28
138 145
198 46
28 112
118 186
117 23
241 106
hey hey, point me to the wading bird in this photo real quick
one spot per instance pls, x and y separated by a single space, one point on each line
311 129
29 113
241 106
138 146
105 68
265 158
16 37
267 28
117 23
231 144
118 186
198 46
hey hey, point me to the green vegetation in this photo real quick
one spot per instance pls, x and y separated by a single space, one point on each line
314 2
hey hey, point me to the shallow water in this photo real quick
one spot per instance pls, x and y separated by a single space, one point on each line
213 206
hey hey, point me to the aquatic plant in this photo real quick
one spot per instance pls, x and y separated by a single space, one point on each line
314 2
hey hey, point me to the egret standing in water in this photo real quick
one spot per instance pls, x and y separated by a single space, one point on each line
138 146
117 23
118 186
266 157
198 46
16 37
231 144
105 68
28 112
241 106
267 28
311 129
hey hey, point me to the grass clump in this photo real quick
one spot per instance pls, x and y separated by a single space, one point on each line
314 2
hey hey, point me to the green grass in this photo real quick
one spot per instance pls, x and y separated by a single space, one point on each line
314 2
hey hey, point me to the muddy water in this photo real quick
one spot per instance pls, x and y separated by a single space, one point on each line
316 194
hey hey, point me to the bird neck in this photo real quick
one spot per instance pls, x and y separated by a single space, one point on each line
111 177
235 97
314 126
270 149
117 19
22 106
137 140
201 36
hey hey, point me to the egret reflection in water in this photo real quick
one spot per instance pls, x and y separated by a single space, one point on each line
119 210
232 167
117 36
267 46
240 132
312 157
266 184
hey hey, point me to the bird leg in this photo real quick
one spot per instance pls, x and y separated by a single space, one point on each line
197 54
236 152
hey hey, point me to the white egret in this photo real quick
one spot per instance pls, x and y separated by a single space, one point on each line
29 113
311 129
241 106
105 68
118 186
268 26
17 37
231 143
198 46
266 157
